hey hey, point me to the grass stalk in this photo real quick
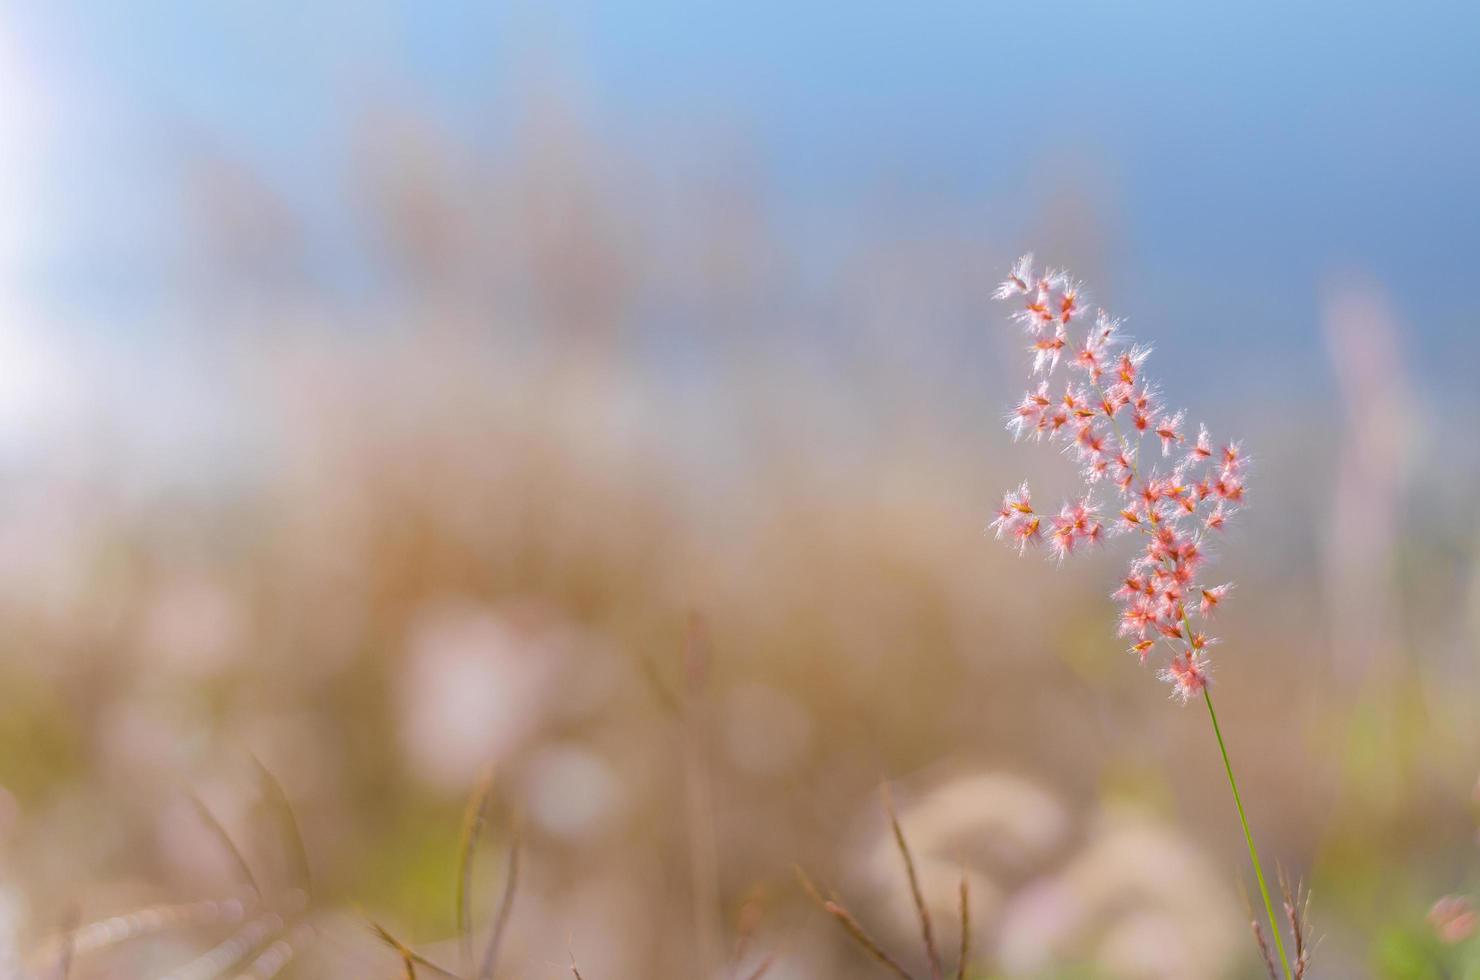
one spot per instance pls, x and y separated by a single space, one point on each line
927 931
1274 925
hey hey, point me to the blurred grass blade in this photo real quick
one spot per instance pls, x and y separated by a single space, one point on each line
763 969
279 955
296 851
1258 931
667 700
150 920
215 961
243 867
472 831
505 909
851 926
410 958
965 927
69 944
1295 914
927 931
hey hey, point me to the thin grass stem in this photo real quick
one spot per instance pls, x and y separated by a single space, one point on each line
1274 925
927 931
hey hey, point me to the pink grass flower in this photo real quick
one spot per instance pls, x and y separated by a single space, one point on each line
1077 524
1016 519
1202 449
1169 431
1019 280
1101 415
1188 675
1210 599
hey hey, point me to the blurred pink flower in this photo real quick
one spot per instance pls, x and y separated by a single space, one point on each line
1453 918
194 626
572 791
1051 885
474 687
1170 507
1364 335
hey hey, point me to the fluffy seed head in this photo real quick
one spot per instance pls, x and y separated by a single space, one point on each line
1101 415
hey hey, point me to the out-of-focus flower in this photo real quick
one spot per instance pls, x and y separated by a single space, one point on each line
1137 900
1001 827
572 792
1121 891
473 689
1364 338
1170 506
1454 918
193 626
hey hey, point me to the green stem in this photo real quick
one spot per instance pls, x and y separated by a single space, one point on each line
1274 925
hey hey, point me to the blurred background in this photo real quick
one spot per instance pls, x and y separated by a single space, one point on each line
608 396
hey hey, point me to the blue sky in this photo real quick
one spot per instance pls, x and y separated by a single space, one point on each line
1243 151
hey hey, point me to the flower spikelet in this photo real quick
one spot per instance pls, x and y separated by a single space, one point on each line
1173 502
